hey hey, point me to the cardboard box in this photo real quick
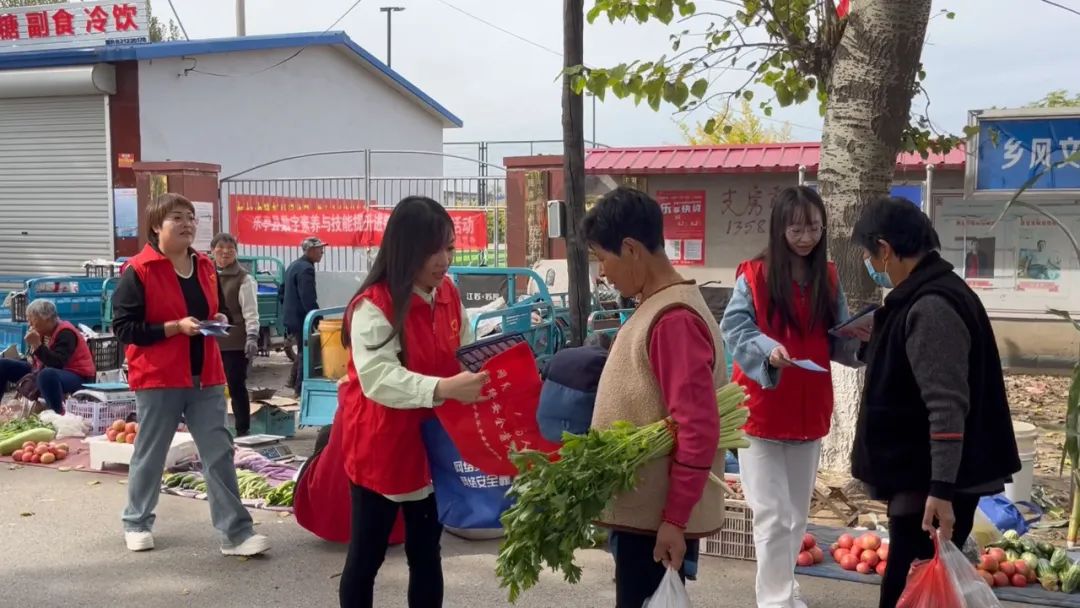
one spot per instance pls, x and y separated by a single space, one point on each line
274 416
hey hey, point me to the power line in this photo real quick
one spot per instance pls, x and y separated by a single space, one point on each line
501 29
178 21
1062 7
267 69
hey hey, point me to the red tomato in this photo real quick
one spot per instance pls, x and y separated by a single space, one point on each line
29 444
17 456
870 541
1008 568
846 541
883 552
869 558
41 449
1019 580
862 568
988 563
808 541
111 434
61 454
989 578
817 554
804 559
880 569
36 458
48 458
849 562
1000 580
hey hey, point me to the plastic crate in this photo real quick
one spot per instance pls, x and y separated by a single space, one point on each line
736 540
100 414
18 308
106 352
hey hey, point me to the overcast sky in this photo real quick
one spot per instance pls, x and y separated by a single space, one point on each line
995 53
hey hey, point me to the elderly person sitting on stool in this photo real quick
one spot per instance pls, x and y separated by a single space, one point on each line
59 356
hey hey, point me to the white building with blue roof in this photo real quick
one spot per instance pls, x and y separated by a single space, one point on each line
72 120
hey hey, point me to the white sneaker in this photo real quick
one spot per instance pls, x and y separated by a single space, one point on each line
139 541
256 544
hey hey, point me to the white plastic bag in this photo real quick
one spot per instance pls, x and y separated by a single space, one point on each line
68 425
973 589
670 594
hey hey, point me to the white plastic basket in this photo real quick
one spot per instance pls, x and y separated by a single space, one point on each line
99 415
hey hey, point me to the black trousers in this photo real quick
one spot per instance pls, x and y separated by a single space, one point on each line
636 574
296 376
236 366
373 517
908 542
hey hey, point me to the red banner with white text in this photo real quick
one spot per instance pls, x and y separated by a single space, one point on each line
288 220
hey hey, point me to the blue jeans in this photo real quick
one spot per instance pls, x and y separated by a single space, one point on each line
53 383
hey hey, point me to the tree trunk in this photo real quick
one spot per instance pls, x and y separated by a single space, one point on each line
577 254
869 91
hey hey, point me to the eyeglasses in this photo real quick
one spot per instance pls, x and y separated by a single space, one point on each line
797 232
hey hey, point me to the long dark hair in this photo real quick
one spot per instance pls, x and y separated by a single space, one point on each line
791 204
417 229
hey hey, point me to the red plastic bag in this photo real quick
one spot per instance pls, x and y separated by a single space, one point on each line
948 580
483 432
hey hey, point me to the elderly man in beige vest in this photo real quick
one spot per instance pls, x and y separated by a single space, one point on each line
667 361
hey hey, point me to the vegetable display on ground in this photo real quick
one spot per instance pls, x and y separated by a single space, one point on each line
557 500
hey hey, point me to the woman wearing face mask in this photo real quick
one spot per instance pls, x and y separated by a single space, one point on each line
784 302
934 399
403 329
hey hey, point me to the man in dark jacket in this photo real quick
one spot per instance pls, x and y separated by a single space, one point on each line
300 299
934 432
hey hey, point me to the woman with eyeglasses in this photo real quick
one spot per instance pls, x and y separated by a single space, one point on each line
176 371
784 303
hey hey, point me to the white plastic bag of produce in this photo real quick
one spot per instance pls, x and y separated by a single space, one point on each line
670 594
68 425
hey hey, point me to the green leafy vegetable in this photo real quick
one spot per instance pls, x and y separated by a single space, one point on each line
557 501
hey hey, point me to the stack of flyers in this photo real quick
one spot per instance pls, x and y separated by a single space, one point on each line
214 328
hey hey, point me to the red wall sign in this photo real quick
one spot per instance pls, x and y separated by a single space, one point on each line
684 225
287 220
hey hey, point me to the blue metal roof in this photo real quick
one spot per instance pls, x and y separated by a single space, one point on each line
180 48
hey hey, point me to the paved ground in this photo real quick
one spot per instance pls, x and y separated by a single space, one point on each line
70 552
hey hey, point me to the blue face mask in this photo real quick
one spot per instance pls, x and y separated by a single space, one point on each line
881 278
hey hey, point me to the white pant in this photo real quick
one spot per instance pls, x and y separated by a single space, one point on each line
778 480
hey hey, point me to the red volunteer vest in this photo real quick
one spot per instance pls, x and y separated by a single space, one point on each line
81 361
800 407
322 501
164 364
385 451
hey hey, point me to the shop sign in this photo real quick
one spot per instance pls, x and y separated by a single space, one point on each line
74 24
684 225
1014 146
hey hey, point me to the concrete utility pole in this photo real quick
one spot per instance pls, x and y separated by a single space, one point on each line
241 18
389 10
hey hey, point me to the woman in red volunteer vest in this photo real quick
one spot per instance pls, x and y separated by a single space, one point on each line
777 324
402 329
58 354
176 372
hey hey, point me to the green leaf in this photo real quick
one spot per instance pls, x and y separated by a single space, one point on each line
687 8
593 13
727 129
767 110
748 95
710 126
699 88
950 15
679 93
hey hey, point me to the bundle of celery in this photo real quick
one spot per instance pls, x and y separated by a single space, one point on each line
556 502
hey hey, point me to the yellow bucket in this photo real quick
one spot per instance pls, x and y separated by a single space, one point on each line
335 358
